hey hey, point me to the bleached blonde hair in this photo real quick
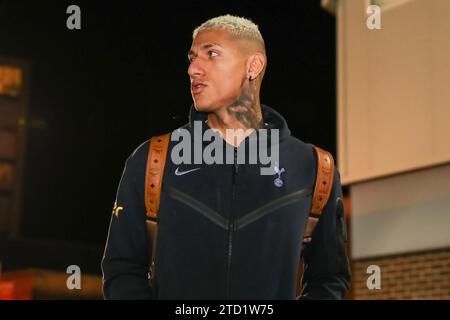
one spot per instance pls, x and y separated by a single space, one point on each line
239 27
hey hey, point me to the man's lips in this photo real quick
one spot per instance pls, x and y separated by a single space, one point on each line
197 87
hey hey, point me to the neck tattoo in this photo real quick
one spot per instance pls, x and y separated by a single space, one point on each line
244 108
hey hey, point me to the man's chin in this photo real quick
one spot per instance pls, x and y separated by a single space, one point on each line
207 105
202 107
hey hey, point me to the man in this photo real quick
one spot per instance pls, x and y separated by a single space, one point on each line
227 231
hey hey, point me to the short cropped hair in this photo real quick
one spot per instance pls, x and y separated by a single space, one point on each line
238 27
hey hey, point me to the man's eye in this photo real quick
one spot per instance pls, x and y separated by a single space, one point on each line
210 53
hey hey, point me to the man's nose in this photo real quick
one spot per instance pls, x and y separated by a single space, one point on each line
195 70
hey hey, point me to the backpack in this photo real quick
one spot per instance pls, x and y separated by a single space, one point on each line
156 161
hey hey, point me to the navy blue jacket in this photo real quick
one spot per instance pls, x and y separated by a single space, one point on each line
226 231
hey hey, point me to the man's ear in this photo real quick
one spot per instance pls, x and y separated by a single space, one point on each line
255 65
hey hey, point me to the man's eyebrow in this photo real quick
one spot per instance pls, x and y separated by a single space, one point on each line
203 47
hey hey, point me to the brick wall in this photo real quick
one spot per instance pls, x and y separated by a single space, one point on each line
420 275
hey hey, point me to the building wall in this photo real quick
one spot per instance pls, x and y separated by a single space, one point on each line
393 144
417 275
404 213
393 97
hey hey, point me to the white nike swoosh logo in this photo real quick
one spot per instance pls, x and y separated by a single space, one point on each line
180 173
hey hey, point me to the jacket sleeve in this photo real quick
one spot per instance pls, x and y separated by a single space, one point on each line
326 269
126 257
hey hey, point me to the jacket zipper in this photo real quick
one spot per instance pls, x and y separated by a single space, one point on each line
231 225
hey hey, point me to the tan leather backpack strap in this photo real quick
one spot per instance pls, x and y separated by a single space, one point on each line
157 154
322 189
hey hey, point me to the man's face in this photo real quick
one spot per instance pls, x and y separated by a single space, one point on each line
217 70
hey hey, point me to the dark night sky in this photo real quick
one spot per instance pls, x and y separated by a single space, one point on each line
99 92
